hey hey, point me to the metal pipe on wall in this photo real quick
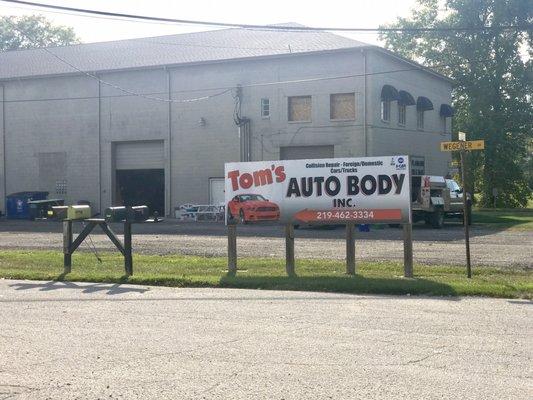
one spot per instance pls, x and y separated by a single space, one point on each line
100 147
168 181
365 100
4 145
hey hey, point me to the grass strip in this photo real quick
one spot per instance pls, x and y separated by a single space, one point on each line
254 273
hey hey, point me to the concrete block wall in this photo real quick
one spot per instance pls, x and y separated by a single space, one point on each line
272 133
38 119
388 137
126 117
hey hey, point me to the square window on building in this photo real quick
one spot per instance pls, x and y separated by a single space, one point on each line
420 119
402 111
385 110
342 106
299 108
265 108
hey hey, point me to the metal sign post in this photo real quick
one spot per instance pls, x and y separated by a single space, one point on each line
463 147
465 215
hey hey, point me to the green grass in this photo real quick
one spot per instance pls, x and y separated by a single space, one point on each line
521 218
313 275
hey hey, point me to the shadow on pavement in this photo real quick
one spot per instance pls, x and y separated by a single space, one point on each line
356 285
110 289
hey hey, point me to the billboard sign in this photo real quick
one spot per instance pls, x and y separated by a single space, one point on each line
324 191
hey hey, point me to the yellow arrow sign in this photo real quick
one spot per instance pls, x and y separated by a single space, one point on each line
457 146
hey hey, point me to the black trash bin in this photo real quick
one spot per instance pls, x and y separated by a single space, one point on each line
40 208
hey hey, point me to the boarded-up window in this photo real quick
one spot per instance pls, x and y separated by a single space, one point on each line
342 106
299 108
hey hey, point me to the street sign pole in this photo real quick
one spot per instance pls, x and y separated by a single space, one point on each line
463 146
466 215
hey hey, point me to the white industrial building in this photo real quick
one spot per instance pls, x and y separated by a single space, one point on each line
154 120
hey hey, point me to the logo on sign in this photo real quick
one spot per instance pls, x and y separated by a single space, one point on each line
400 164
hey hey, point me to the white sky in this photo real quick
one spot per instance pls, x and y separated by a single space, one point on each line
334 13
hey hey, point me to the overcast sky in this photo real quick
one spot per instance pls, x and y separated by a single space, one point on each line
334 13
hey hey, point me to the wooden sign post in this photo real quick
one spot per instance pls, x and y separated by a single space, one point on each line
463 146
350 248
232 249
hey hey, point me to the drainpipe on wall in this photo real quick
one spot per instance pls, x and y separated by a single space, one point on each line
100 146
365 100
169 179
4 145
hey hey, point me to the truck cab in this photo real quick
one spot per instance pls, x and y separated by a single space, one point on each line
435 198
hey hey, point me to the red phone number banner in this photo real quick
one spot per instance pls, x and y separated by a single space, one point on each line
370 215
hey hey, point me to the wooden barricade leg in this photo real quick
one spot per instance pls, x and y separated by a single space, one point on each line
289 250
232 249
67 246
408 250
350 249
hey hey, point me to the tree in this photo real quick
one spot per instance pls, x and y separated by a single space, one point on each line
493 82
33 31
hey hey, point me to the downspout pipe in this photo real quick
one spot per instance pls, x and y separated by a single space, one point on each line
365 101
4 172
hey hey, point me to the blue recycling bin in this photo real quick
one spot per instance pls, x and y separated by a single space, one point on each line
17 203
364 228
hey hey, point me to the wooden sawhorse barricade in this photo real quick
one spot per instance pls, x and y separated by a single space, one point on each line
70 245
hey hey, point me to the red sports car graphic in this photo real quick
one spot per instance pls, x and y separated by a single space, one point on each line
252 207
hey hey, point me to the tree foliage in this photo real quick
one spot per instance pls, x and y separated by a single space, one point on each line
492 70
33 31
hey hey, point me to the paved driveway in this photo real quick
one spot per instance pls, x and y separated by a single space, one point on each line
103 341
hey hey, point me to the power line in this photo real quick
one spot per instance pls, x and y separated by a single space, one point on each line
267 27
223 89
132 93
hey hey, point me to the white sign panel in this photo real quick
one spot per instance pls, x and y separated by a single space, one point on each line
370 189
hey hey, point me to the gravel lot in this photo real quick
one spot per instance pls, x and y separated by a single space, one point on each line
506 248
65 340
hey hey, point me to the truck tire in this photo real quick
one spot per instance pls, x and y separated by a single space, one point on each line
437 219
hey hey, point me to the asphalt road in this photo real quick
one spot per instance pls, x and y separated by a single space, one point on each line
505 248
104 341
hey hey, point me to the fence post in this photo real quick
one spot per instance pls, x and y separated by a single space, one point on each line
232 249
128 258
67 243
350 249
289 249
408 250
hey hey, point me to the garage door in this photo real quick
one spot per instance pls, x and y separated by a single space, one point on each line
303 152
139 155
